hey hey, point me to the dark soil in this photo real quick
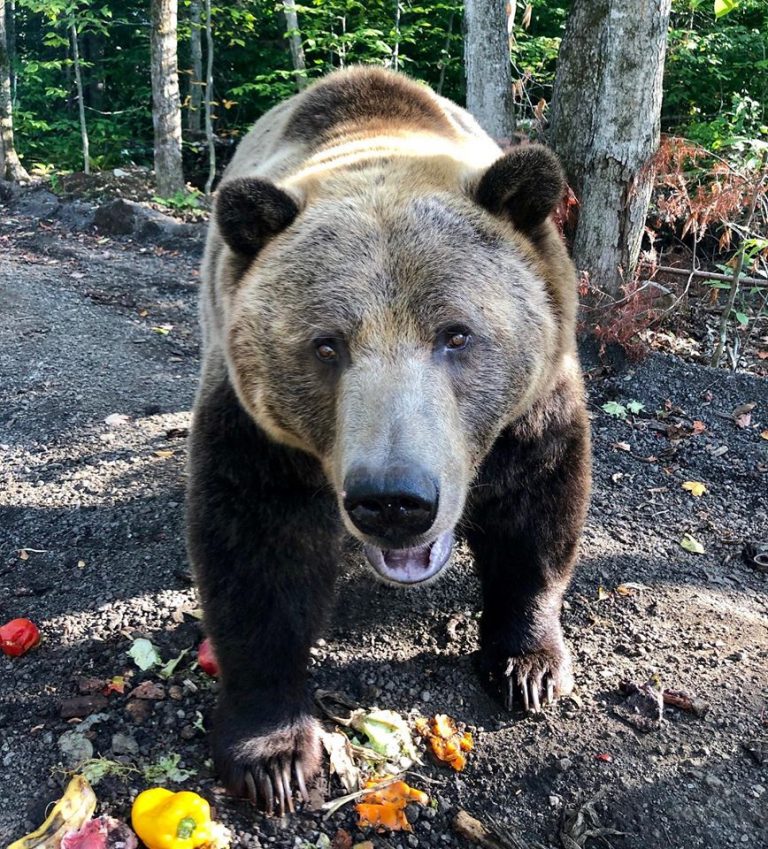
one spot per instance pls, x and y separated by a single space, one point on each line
91 548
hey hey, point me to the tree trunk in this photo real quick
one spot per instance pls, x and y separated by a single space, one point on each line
396 48
166 109
294 39
80 103
11 44
488 69
209 99
195 111
10 167
605 127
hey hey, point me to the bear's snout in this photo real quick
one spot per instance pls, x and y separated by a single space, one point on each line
396 505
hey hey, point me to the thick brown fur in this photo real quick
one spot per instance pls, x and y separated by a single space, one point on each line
373 219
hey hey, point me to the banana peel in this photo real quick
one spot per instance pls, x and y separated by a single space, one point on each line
70 813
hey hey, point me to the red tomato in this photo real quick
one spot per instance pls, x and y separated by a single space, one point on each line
18 636
207 659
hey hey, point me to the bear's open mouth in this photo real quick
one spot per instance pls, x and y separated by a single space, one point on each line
411 565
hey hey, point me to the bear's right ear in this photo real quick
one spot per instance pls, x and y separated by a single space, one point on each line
249 211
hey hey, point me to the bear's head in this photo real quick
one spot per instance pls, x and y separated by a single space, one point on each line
392 320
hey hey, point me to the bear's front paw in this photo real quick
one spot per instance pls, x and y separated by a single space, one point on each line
266 762
530 679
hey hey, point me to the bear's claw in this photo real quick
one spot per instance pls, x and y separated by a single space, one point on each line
537 688
268 767
265 786
533 680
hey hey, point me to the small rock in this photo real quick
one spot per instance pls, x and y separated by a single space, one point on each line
82 706
175 692
426 696
554 800
87 686
713 781
148 690
123 744
564 764
74 748
139 710
188 732
412 813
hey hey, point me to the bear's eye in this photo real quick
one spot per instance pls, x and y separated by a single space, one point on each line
456 338
325 351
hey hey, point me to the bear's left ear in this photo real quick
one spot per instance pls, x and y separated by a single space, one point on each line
525 185
249 211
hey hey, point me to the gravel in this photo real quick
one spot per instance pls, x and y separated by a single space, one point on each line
91 549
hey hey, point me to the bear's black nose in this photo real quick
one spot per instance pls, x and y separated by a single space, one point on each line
394 505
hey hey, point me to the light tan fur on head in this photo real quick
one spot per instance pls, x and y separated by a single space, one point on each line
391 244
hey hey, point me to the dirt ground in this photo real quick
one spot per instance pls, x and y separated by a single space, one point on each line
91 548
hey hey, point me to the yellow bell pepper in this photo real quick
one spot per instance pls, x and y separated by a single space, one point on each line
167 820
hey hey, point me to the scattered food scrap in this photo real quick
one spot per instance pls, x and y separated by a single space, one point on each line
69 814
206 659
385 808
387 737
167 820
104 832
144 654
446 742
18 636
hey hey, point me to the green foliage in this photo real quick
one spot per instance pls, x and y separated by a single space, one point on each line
716 76
181 200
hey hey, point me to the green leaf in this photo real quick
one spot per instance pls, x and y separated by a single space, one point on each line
144 654
741 317
167 769
170 667
634 407
724 7
690 543
613 408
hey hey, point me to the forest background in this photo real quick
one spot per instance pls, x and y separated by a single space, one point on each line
81 90
715 81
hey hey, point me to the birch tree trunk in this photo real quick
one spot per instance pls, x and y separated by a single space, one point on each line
10 166
605 127
195 111
209 99
80 102
294 40
166 108
487 66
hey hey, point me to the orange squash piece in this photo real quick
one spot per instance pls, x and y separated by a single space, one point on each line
385 808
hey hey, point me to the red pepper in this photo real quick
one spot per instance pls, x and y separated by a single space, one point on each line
207 659
18 636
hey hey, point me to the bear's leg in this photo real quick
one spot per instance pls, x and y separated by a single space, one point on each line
263 536
523 525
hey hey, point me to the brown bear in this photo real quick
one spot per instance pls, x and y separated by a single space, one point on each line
389 351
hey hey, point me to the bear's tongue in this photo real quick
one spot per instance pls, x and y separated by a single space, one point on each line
411 565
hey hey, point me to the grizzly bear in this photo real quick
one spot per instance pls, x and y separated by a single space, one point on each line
388 352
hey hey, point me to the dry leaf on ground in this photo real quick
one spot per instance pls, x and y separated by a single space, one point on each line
696 488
